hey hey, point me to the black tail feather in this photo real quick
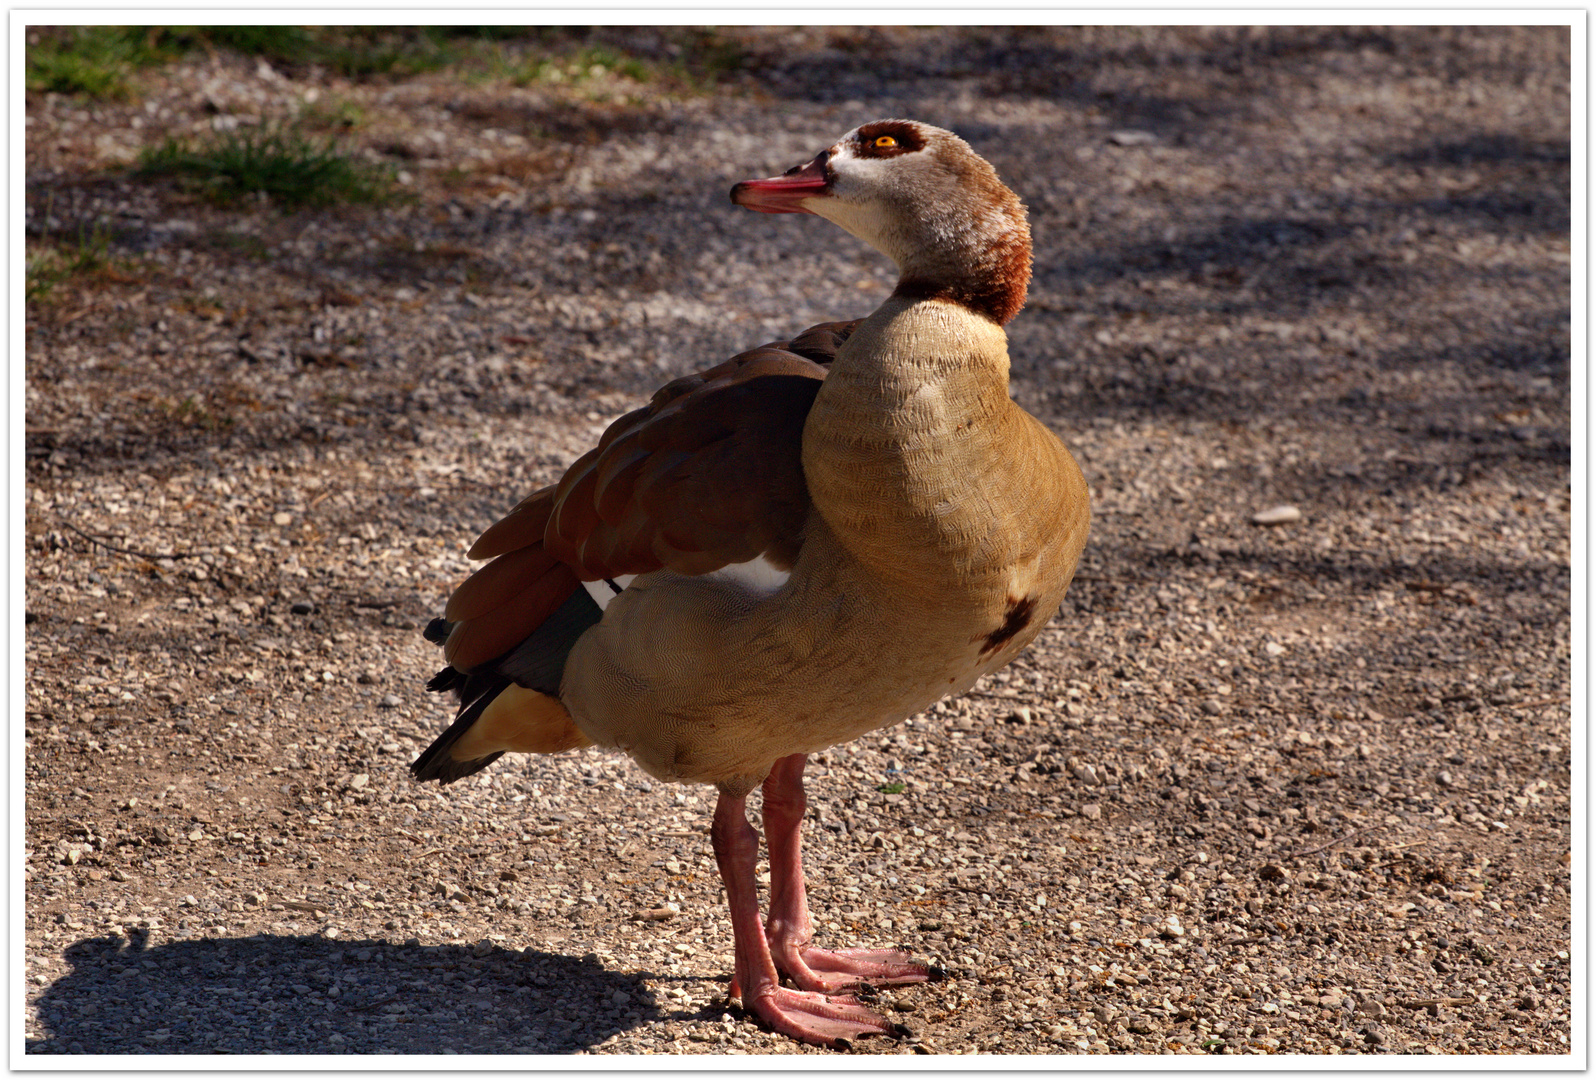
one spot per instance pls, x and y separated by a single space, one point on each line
435 762
537 664
447 679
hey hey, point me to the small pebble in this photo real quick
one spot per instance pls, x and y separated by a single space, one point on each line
1277 515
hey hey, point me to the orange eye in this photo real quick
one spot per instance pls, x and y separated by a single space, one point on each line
886 142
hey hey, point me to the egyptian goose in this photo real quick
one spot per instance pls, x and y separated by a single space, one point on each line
813 540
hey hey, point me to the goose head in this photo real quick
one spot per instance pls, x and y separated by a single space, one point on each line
922 197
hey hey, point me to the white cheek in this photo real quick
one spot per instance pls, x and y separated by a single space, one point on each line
866 220
852 173
860 196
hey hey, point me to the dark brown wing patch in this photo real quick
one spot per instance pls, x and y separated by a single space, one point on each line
821 342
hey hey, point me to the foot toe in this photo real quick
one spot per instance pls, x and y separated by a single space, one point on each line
822 1020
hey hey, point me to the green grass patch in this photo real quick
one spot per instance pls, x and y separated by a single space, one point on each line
708 58
86 254
697 60
96 61
352 51
333 114
896 787
581 66
362 52
91 61
291 169
285 43
193 412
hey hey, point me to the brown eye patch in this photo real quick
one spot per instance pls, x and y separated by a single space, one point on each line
887 138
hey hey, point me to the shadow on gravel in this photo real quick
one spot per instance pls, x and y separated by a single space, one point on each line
312 995
1060 64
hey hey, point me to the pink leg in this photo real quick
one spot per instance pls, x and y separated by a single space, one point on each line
811 1017
789 929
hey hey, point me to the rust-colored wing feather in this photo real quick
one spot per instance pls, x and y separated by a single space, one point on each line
707 474
491 631
521 526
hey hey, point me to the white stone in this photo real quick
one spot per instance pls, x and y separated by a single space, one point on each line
1283 514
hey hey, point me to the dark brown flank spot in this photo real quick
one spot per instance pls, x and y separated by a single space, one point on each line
1017 619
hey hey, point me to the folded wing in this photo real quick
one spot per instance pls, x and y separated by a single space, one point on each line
708 474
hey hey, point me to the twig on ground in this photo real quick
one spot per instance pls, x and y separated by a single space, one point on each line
122 550
1561 700
1426 1003
1333 843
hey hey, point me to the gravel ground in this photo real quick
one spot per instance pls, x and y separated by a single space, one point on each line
1294 788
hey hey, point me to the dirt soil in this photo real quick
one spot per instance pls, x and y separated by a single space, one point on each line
1291 788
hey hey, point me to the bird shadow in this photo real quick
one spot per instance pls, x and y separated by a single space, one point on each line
308 994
